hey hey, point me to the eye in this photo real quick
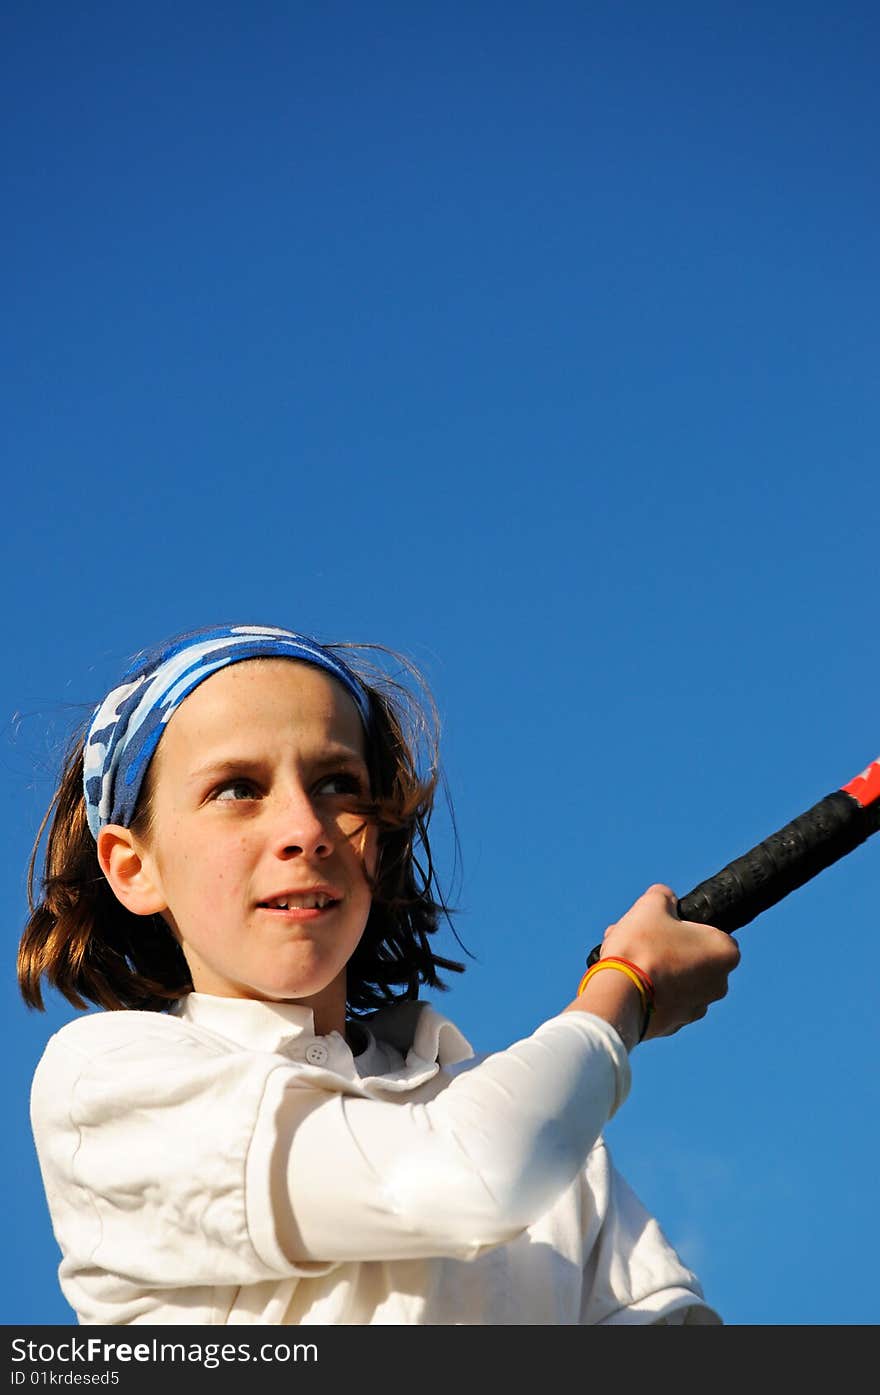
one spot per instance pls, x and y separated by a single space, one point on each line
235 790
342 782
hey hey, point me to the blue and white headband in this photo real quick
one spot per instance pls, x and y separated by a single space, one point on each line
126 727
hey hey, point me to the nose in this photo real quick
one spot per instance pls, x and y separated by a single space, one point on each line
300 829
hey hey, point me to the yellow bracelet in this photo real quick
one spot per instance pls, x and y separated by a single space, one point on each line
611 963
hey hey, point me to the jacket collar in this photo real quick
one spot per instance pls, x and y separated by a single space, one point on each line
425 1039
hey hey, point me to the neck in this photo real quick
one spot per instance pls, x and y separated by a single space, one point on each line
328 1007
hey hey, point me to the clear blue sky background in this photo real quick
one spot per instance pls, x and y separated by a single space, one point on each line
540 342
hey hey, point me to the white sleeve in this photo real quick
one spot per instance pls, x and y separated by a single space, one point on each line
356 1178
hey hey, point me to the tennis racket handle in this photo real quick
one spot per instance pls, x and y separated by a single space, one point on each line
784 861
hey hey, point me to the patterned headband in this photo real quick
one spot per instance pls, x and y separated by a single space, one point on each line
127 725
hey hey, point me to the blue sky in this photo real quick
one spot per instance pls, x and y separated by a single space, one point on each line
538 342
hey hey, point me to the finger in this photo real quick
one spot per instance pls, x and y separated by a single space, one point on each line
659 890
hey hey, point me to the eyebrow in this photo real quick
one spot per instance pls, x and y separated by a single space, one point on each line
226 765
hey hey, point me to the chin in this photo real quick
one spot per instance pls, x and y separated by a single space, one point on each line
291 992
277 993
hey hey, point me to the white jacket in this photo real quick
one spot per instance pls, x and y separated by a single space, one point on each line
222 1164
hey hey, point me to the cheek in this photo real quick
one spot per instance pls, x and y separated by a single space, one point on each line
362 839
200 872
370 853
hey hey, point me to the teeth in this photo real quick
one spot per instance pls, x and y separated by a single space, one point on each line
307 902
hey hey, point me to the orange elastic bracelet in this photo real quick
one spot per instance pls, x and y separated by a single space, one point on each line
635 975
646 982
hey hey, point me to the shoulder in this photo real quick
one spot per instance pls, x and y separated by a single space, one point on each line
125 1043
101 1033
109 1066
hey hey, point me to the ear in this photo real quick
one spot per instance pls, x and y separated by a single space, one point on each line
130 871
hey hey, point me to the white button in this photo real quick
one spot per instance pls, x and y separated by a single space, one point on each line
317 1053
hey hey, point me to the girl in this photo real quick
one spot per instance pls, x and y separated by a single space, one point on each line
267 1126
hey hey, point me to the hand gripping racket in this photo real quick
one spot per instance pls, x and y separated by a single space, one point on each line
788 858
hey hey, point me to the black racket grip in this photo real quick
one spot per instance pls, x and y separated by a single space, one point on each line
784 861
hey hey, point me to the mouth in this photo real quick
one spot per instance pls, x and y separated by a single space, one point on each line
301 904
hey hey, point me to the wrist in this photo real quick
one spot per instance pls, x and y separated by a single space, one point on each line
616 1000
607 994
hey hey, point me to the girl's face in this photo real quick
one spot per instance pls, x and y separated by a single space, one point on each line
254 849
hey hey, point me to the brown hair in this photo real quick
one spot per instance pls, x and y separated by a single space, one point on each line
89 947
